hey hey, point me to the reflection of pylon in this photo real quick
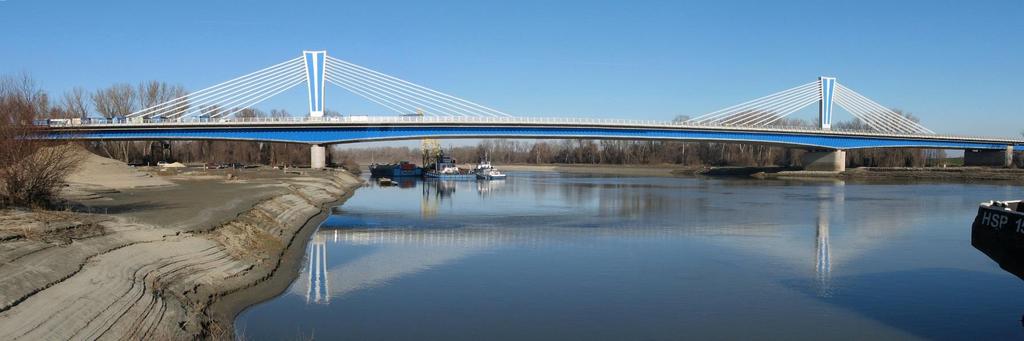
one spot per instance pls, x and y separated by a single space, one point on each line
429 148
823 251
318 286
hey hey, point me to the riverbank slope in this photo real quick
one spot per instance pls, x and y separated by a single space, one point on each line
147 254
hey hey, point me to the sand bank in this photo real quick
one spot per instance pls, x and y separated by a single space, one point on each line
160 249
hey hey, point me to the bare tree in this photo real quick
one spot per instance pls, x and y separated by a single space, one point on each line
250 113
279 113
117 101
31 170
154 92
74 103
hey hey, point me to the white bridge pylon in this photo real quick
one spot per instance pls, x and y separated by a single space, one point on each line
315 69
770 110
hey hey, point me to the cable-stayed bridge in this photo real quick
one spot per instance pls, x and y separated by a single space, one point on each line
223 112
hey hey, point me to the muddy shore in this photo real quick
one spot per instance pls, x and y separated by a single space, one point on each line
158 253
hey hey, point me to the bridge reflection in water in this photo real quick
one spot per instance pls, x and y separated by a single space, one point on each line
402 250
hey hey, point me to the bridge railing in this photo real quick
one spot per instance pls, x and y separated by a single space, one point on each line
528 120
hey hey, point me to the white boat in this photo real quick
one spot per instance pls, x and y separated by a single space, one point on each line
445 168
485 171
492 174
483 167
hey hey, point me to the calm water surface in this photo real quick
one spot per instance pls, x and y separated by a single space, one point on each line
568 256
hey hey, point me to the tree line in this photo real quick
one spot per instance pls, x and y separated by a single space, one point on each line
629 152
120 100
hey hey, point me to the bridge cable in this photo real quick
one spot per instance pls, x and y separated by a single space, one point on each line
242 96
770 109
781 110
493 112
210 91
870 118
218 87
448 104
230 99
870 115
260 97
786 111
196 102
715 115
406 106
418 99
766 109
405 99
398 107
888 113
744 109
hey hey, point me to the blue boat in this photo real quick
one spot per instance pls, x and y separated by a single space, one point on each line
400 170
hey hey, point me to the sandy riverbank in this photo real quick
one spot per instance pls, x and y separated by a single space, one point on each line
169 254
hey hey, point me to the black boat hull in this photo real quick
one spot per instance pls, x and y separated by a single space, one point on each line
999 234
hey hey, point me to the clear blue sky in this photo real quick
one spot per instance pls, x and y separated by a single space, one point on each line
955 64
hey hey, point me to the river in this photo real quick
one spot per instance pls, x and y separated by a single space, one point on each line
561 256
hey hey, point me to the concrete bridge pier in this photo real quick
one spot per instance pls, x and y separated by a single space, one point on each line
317 156
989 157
824 160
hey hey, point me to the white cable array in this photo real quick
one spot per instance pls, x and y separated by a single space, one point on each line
427 105
230 98
878 120
879 115
180 107
179 102
265 96
384 100
773 109
764 110
240 95
757 106
411 104
233 99
420 97
786 111
873 120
